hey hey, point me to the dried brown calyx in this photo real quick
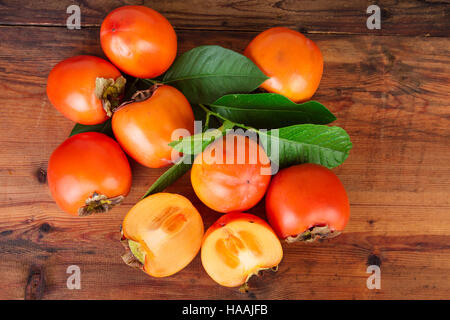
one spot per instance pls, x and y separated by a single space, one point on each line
110 92
139 96
99 203
244 288
313 234
133 256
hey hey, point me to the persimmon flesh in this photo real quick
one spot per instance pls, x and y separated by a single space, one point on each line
164 232
237 246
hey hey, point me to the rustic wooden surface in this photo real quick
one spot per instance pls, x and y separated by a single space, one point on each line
389 89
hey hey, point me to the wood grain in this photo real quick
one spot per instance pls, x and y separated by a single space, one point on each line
404 17
390 93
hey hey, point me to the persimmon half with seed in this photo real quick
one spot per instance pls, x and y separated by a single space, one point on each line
163 233
88 173
145 128
237 246
231 174
293 62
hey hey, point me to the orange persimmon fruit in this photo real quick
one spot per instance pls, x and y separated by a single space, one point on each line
293 63
307 202
88 173
232 174
139 41
85 89
145 128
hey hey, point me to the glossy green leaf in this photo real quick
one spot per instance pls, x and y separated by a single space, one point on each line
206 73
171 175
196 143
307 143
104 127
270 110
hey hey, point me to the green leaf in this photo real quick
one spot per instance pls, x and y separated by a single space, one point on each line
196 143
171 175
206 73
307 143
104 127
270 110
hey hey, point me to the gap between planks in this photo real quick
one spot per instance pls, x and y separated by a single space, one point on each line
95 26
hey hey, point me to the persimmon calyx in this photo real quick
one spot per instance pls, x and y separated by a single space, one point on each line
137 251
244 288
313 234
99 203
131 257
139 96
110 92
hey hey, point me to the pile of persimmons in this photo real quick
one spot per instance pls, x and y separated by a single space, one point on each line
242 123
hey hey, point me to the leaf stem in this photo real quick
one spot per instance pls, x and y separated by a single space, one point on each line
219 116
150 81
205 108
206 126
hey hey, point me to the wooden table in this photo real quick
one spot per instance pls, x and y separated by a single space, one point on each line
389 89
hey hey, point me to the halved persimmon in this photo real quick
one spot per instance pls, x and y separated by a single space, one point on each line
163 233
237 246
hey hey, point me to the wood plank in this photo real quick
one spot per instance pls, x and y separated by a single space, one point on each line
345 16
391 95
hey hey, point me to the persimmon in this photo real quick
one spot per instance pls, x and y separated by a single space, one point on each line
139 41
145 128
307 202
88 173
162 233
85 89
232 174
237 246
293 62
